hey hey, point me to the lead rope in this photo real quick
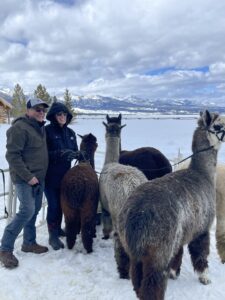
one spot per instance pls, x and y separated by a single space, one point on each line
179 162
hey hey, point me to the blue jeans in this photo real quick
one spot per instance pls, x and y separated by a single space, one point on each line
25 218
54 210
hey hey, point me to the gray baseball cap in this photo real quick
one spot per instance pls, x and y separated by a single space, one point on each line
32 102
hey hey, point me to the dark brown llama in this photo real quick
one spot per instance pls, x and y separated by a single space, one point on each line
164 214
149 160
79 196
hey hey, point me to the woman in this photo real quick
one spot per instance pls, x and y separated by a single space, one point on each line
62 149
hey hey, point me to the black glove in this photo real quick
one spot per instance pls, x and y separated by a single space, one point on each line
69 155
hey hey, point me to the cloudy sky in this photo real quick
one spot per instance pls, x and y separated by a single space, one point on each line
158 49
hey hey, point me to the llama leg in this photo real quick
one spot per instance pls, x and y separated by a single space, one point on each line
87 234
220 244
220 225
154 283
88 224
176 264
136 275
72 229
122 259
107 224
199 251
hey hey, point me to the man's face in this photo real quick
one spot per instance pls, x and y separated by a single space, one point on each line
37 112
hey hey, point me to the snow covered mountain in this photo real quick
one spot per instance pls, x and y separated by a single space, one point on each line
134 104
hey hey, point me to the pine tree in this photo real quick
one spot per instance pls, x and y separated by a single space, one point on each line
42 94
68 101
54 99
18 101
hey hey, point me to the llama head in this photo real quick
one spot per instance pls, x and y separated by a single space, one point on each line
215 125
116 120
88 145
113 129
88 141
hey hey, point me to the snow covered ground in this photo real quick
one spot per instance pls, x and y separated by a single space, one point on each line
75 275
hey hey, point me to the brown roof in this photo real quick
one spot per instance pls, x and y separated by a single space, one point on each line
5 103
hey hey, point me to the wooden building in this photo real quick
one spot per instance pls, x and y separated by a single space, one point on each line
5 108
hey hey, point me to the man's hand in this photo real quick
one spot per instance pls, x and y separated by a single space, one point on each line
33 181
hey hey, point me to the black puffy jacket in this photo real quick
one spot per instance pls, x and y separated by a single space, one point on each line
58 139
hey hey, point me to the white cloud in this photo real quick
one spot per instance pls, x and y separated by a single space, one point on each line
107 47
218 69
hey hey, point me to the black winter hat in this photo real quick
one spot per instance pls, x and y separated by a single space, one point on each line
56 108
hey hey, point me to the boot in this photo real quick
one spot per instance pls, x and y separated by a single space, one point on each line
34 248
54 240
8 259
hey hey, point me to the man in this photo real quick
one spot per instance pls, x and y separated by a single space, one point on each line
27 157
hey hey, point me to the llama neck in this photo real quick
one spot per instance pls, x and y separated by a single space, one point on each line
204 162
90 155
112 150
92 162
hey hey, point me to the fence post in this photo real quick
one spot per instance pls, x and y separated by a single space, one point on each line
177 159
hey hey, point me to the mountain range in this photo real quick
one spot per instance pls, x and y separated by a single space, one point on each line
133 104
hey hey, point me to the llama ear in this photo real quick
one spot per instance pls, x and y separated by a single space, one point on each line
105 124
207 118
123 126
108 118
119 117
81 136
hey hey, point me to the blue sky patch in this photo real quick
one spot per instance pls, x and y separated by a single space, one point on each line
66 2
161 71
21 41
204 69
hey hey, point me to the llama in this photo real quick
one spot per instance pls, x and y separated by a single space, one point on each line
79 196
220 212
116 183
147 159
220 208
164 214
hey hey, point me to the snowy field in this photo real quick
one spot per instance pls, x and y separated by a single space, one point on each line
75 275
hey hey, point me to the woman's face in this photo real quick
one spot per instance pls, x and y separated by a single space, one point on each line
61 118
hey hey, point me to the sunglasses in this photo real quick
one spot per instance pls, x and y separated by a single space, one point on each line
59 114
40 109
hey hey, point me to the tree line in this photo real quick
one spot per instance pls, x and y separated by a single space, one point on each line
19 99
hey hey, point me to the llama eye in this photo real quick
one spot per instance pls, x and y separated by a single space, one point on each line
217 127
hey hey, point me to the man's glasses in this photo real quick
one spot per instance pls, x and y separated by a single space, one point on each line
61 113
40 109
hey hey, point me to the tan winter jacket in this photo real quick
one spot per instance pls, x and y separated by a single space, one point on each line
27 153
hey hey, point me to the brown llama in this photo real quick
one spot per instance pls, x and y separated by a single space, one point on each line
79 196
164 214
149 160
